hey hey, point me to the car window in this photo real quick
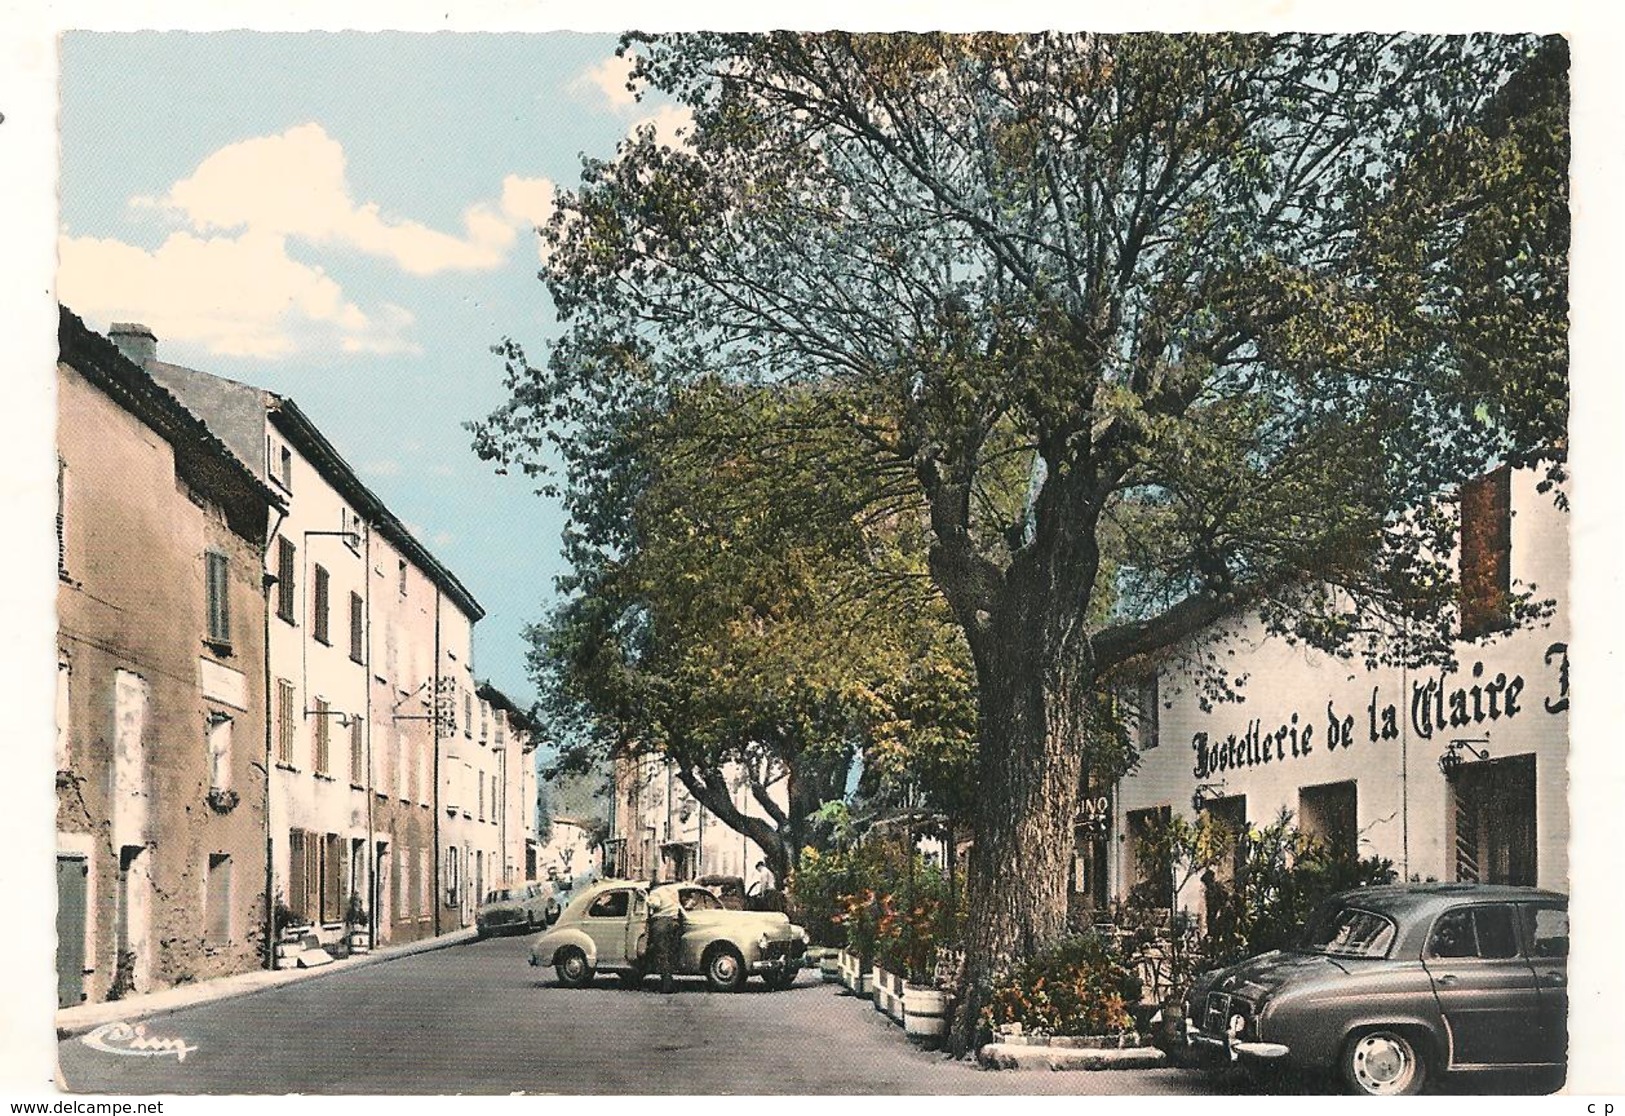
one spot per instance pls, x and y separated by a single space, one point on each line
1548 931
698 899
1484 932
1350 932
499 896
611 904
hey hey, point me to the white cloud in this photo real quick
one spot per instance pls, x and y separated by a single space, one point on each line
294 184
610 78
235 295
226 280
673 124
384 468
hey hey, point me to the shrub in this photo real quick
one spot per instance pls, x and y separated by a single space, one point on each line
1076 987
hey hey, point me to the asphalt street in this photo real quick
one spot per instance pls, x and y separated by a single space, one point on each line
476 1019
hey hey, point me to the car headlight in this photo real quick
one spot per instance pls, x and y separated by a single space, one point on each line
1238 1026
761 943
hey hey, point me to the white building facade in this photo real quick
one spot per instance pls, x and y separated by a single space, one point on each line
1452 774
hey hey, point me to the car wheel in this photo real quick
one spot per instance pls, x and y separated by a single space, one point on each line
573 968
725 970
1384 1063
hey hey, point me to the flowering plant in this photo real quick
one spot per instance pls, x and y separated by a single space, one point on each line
1077 987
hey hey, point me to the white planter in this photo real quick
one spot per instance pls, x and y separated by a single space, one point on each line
829 968
881 988
925 1014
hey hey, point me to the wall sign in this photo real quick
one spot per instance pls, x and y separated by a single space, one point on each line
1437 704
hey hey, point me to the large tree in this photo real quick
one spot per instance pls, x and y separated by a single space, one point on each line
756 612
1143 316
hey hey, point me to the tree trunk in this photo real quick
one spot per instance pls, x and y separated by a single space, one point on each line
1030 765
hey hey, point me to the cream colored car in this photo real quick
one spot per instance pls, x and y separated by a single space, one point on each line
605 929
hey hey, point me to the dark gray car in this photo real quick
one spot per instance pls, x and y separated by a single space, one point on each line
1391 985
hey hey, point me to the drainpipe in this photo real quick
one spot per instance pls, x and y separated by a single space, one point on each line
434 729
369 852
266 581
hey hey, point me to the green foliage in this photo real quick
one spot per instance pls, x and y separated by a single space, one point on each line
1078 986
881 900
1281 874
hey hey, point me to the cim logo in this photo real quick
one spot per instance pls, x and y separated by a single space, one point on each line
133 1041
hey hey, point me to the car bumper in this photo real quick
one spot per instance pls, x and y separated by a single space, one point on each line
1236 1049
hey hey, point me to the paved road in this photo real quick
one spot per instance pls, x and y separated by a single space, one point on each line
475 1018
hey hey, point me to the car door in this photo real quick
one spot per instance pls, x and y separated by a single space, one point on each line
636 942
606 924
1546 938
1484 985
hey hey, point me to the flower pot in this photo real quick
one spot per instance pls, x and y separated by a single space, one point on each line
866 984
359 942
829 968
925 1014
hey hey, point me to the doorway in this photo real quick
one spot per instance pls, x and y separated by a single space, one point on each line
1492 821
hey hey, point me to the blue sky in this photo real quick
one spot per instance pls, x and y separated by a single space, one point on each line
348 219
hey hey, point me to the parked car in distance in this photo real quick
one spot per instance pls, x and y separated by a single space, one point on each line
524 907
1393 985
605 929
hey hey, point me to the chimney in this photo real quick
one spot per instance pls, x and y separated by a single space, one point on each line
135 341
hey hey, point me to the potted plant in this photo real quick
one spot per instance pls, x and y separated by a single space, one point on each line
358 936
289 929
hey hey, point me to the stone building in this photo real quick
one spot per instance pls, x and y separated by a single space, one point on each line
369 641
512 738
161 790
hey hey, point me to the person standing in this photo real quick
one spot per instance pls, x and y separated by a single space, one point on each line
665 933
760 891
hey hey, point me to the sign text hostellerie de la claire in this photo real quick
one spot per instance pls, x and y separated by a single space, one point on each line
1437 704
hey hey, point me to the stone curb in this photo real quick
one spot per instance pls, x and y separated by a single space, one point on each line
77 1020
1001 1056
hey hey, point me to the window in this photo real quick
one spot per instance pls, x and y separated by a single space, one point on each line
217 900
216 590
1483 932
357 752
319 611
332 878
468 714
1493 821
304 874
611 904
495 807
485 721
352 530
698 899
1548 931
401 577
279 463
284 728
320 730
1149 703
357 629
219 751
1231 815
285 555
1150 875
1486 554
1349 932
1330 814
481 793
452 864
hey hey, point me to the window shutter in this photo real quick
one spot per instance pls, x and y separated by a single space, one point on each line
357 629
319 617
285 579
215 589
297 899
